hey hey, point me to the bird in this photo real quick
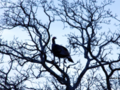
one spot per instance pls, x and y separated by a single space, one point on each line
60 51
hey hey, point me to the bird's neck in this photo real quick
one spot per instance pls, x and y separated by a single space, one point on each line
53 41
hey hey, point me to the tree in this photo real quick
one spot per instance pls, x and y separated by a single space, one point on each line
31 60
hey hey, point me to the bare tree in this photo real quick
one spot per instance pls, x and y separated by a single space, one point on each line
33 59
96 44
24 14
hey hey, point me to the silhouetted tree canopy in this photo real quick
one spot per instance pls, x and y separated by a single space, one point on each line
94 47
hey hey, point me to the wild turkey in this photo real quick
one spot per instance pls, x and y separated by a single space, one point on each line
60 51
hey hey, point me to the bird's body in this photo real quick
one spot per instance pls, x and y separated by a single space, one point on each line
60 51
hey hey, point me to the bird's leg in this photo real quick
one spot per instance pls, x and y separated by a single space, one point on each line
59 61
53 61
64 65
64 60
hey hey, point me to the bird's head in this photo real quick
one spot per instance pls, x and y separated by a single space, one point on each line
54 38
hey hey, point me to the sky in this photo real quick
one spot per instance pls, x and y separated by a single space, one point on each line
56 29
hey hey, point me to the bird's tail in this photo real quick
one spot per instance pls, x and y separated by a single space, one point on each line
70 59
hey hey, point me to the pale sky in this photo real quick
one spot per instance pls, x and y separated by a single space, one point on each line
57 29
